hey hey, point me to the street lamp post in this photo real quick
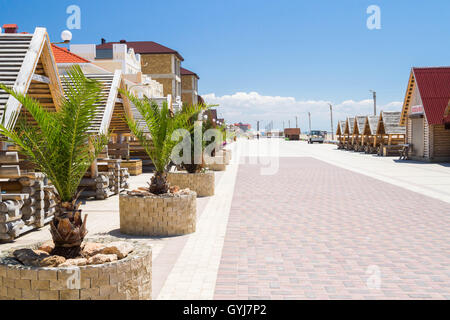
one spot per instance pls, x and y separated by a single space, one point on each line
331 114
309 116
374 102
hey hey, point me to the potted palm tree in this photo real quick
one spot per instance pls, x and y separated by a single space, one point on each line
61 147
159 209
219 159
193 174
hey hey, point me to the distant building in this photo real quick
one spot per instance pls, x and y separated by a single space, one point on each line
157 61
189 86
121 58
243 126
424 114
292 133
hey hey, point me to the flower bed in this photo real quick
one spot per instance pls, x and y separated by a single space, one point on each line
158 215
202 182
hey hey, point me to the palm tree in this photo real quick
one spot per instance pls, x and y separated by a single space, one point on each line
60 145
194 112
161 123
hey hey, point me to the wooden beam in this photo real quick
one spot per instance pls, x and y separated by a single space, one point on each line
9 172
51 69
40 78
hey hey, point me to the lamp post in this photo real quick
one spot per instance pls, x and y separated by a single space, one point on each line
331 114
66 36
374 94
309 116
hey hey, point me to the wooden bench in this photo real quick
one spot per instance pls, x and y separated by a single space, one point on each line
389 150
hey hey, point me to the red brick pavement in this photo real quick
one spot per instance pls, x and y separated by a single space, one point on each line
312 231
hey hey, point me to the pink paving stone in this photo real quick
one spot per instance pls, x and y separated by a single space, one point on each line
312 230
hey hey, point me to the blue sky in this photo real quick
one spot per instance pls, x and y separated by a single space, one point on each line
270 60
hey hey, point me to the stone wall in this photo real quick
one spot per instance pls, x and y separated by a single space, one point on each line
126 279
158 215
202 183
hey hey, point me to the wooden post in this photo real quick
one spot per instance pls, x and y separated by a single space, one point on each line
94 169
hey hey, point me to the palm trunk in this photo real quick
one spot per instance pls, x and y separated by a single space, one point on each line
158 183
68 230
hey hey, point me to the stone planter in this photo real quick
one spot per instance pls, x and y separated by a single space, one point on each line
126 279
202 183
158 215
227 156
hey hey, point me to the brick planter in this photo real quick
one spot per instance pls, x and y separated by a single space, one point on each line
126 279
158 215
202 183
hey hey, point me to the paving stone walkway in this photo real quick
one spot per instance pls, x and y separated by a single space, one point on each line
317 231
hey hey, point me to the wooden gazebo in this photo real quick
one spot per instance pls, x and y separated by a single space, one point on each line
358 130
391 134
369 140
27 65
340 134
348 132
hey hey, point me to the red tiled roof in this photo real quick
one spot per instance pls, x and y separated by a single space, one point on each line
62 55
434 89
186 72
10 25
143 47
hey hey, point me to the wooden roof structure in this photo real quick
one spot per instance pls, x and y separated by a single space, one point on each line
340 128
112 108
358 125
433 91
370 125
389 123
350 122
27 65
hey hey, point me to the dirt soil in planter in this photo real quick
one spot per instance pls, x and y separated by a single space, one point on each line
173 192
91 253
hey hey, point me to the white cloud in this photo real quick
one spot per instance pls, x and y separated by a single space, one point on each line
251 106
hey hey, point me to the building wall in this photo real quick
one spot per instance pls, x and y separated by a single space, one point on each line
164 68
441 142
427 136
156 63
189 89
187 82
167 85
